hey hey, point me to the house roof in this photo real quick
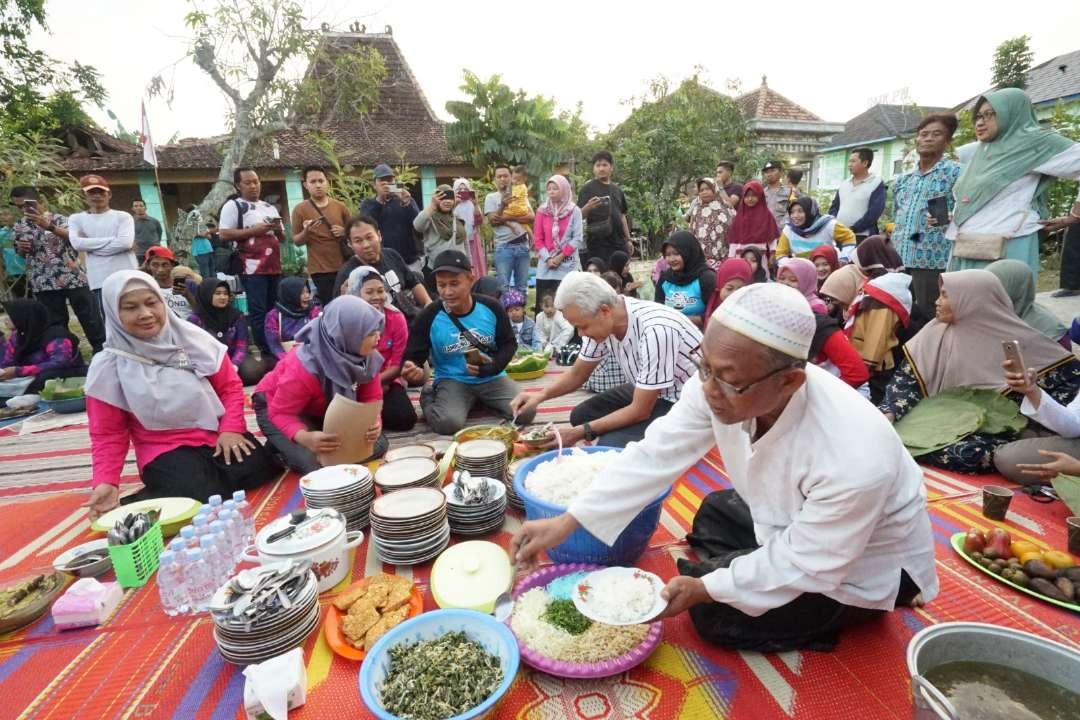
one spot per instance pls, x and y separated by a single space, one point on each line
401 125
880 122
1053 80
764 103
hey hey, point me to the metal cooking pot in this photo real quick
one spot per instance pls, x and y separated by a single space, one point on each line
980 642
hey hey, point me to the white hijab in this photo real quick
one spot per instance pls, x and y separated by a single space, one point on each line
161 381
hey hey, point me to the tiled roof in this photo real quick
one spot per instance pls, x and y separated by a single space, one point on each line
880 122
764 103
1056 78
402 124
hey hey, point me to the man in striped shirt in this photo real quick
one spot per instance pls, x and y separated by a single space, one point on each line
657 348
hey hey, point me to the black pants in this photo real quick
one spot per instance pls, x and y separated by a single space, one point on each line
42 377
194 472
398 414
1070 259
324 286
82 302
724 530
100 308
608 402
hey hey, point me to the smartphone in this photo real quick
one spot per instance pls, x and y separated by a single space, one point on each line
474 357
1012 354
605 200
30 206
393 189
938 207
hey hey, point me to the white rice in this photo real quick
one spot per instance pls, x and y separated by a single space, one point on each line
620 598
561 480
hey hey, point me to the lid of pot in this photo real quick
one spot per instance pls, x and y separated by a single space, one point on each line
471 575
313 529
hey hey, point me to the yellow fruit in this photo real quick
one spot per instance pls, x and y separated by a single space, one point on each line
1021 547
1057 559
1032 555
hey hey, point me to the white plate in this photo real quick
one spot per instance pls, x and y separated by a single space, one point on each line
499 490
482 449
405 472
335 477
409 503
173 509
92 570
409 451
585 602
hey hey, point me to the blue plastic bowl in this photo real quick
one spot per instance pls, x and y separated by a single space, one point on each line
493 636
582 546
66 407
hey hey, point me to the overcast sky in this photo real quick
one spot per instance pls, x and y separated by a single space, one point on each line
830 57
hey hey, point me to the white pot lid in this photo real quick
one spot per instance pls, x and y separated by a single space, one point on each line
314 529
471 575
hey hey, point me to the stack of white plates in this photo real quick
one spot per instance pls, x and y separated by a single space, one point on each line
408 451
275 622
346 488
409 526
410 472
480 518
487 458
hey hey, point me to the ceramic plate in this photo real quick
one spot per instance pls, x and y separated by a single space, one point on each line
409 503
958 546
410 451
406 472
174 512
94 569
498 488
481 449
335 637
586 601
335 477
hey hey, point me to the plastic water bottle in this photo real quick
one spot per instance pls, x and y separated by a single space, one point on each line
188 534
215 559
171 583
234 531
199 581
178 545
217 531
215 507
247 513
201 523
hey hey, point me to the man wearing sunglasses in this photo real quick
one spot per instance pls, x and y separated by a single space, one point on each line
826 525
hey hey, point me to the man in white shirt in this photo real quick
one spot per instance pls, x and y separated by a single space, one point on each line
655 346
105 235
860 199
822 529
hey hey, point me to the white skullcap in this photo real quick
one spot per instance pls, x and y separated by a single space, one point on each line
771 314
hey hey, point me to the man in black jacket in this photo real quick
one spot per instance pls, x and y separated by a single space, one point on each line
469 341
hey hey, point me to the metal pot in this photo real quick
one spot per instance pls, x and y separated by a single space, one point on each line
316 535
980 642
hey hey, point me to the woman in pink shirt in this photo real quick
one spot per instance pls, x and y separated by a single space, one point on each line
398 413
335 354
168 388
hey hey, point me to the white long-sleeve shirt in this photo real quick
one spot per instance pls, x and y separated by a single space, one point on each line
107 239
840 514
1061 419
1010 212
553 332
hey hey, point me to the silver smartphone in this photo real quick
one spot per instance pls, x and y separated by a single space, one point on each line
1012 354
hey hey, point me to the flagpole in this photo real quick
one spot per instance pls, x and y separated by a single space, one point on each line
150 156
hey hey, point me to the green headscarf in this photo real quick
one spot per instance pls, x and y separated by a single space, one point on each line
1019 147
1019 283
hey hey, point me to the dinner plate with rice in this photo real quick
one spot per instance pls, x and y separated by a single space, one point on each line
556 638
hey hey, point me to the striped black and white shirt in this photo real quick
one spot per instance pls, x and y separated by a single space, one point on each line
658 352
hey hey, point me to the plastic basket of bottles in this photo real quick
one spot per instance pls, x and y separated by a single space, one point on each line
135 562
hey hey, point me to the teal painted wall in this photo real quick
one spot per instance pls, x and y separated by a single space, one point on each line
148 190
294 195
427 185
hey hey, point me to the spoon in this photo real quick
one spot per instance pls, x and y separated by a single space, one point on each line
504 603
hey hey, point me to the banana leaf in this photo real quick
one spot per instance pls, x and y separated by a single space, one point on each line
1068 489
1002 414
938 422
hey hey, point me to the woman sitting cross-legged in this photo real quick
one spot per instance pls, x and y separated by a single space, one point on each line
336 354
216 314
961 347
295 308
38 346
167 388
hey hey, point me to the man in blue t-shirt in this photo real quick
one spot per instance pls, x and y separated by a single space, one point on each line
468 340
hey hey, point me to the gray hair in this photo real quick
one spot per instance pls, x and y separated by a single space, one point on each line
585 291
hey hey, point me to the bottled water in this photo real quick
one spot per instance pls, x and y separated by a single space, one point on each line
201 523
178 545
188 534
215 507
199 580
247 513
217 531
215 560
234 531
171 583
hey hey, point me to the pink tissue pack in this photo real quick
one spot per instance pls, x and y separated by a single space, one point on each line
86 603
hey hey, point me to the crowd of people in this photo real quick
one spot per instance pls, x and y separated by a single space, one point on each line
770 317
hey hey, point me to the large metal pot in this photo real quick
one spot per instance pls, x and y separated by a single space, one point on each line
317 535
980 642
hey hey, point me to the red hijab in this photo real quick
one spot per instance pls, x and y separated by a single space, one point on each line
730 269
753 225
829 253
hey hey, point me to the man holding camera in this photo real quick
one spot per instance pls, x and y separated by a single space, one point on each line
394 209
603 207
256 227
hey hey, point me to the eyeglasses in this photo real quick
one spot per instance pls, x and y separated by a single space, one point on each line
985 116
706 374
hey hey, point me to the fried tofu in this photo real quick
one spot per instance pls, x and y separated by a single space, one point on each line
346 599
385 624
356 625
398 597
376 596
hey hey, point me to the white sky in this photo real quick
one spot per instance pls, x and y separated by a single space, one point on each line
830 57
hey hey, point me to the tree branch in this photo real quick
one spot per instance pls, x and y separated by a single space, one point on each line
204 58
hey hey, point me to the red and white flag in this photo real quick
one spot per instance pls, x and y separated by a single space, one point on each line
146 141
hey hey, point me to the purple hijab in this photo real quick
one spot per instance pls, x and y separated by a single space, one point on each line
327 345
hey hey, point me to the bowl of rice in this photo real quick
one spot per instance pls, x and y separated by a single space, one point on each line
598 651
547 487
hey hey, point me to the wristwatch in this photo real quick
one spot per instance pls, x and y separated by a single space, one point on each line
589 434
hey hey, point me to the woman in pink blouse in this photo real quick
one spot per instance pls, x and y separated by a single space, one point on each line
169 389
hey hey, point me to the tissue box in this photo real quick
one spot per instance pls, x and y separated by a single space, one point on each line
275 686
86 603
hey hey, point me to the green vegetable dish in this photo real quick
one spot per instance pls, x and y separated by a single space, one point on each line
63 389
563 614
438 679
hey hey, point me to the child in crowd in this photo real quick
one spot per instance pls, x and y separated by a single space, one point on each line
519 205
524 328
295 308
800 273
552 330
875 319
38 346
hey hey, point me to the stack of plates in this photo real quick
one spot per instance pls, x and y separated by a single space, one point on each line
479 519
409 526
410 472
408 451
487 458
247 639
346 488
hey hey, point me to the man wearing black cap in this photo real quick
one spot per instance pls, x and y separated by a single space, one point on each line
394 209
777 192
469 340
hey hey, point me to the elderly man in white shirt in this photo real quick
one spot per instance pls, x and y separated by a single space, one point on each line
822 529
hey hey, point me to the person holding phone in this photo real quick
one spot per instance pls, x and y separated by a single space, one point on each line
441 229
159 262
603 207
394 209
319 224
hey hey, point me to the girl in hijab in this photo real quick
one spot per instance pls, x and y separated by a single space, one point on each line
557 237
754 223
826 261
470 214
876 256
596 266
800 273
38 346
709 221
758 259
831 350
397 411
1004 178
620 264
688 283
840 290
807 229
336 354
167 388
295 308
440 227
874 324
216 314
732 274
1019 284
961 347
